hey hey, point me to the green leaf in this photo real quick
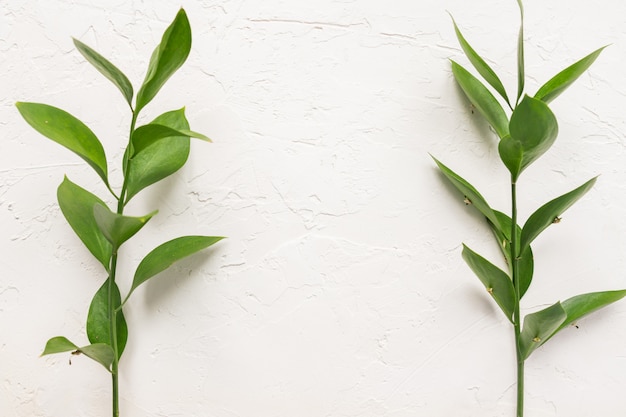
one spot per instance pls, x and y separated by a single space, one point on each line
165 255
549 213
107 69
147 135
66 130
162 158
98 319
521 73
495 280
118 228
560 82
534 126
470 193
99 352
580 305
481 66
539 327
525 261
77 206
482 99
511 154
168 56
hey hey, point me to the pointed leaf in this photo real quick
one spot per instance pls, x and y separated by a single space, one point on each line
534 126
65 129
77 206
162 158
147 135
168 56
521 73
481 66
495 280
539 327
98 322
482 99
560 82
525 262
512 155
165 255
99 352
118 228
107 69
549 213
579 306
470 193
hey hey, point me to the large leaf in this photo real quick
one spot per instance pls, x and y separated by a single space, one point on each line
482 99
580 305
539 327
525 261
549 213
107 69
67 130
481 66
77 206
470 193
98 319
165 255
118 228
521 72
162 158
147 135
496 281
560 82
168 56
99 352
535 128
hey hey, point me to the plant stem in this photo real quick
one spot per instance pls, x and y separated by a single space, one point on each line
516 313
113 327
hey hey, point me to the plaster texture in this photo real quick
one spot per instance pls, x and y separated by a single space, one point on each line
340 291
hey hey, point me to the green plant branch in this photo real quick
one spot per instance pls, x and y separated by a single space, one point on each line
113 327
514 256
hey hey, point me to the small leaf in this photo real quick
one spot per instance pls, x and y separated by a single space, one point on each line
118 228
77 206
147 135
539 327
165 255
482 99
68 131
525 261
495 280
98 319
481 66
560 82
534 126
511 154
107 69
469 192
521 73
58 344
99 352
549 212
168 56
162 158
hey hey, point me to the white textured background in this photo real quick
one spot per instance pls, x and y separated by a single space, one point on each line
340 291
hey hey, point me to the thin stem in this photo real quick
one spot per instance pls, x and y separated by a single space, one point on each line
113 327
516 313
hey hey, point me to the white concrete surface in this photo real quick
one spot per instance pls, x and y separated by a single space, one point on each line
340 291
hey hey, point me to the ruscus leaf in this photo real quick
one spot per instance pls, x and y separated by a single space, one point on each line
118 228
560 82
147 135
539 327
99 352
165 255
482 99
495 280
65 129
521 72
98 319
76 205
107 69
549 213
58 344
581 305
168 56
